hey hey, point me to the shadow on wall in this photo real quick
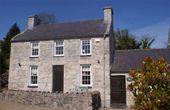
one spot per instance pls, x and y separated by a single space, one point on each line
96 100
4 80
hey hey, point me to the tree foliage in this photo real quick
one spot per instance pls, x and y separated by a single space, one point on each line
146 42
6 45
0 58
45 18
151 85
124 40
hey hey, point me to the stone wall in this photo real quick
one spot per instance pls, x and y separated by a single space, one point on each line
129 95
67 101
72 61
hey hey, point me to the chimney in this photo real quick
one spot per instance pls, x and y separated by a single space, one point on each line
33 21
108 14
168 46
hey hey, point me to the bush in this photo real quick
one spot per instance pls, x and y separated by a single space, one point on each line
151 85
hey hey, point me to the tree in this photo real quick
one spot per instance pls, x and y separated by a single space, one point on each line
0 58
146 42
45 18
151 85
124 40
6 45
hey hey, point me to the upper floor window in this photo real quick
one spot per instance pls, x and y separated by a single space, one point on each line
86 47
33 79
59 48
86 75
34 49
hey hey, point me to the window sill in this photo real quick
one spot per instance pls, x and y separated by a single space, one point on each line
58 55
34 56
85 55
86 86
32 86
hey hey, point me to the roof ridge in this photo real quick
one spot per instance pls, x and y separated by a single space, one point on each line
83 21
137 50
72 22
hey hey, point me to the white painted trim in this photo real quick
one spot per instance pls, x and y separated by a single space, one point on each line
91 77
81 53
38 49
29 79
122 74
54 48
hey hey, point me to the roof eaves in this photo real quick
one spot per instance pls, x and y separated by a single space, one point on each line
139 50
18 35
47 39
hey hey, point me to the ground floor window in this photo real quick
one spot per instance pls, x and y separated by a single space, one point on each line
86 75
33 76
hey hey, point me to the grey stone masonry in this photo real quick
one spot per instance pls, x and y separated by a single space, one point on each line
99 59
33 21
67 101
108 12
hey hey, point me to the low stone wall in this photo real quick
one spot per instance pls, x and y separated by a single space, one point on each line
66 101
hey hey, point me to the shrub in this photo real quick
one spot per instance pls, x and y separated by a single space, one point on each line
151 85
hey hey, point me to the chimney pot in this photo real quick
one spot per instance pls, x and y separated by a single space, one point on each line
33 21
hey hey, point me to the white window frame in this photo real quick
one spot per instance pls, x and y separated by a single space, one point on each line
82 47
30 74
55 45
36 48
86 85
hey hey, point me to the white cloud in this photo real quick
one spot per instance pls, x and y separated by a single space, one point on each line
159 31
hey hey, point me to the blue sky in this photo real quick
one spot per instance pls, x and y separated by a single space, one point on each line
140 17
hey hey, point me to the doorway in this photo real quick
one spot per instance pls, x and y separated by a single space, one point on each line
58 78
118 91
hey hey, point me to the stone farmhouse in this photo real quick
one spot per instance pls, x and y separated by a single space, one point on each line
75 56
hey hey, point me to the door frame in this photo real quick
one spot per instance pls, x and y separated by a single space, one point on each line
121 74
53 78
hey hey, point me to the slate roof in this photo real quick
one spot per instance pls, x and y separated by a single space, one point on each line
132 59
80 29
